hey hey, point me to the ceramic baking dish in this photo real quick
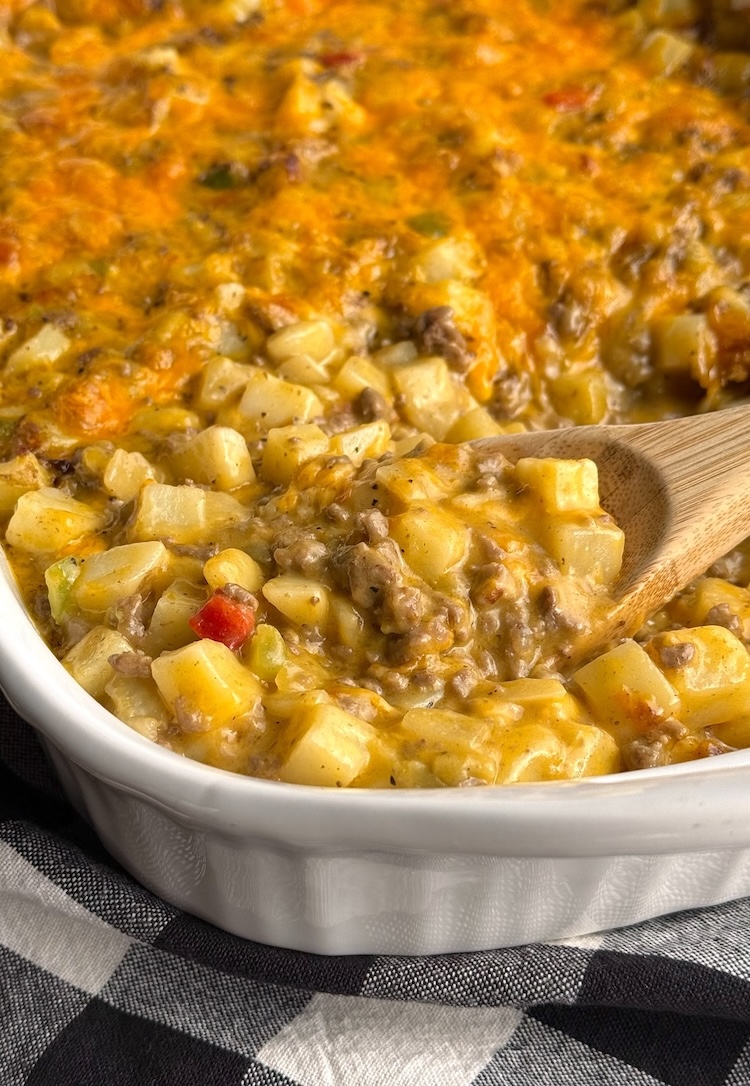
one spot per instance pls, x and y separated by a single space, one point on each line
406 872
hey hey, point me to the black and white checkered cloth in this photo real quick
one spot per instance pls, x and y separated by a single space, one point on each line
102 984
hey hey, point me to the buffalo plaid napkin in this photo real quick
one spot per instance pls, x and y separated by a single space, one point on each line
102 984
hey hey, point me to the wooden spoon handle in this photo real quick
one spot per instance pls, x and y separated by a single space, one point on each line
695 504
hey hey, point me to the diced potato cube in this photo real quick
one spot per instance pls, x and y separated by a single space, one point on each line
411 480
665 53
703 266
735 732
543 702
230 342
581 395
587 547
233 566
47 521
330 749
625 685
126 473
455 769
269 401
588 751
88 661
495 708
357 374
229 296
158 419
136 701
410 773
303 602
561 486
311 338
218 456
301 370
297 676
220 378
43 349
121 571
338 103
184 514
713 601
710 670
169 627
309 106
368 440
187 567
447 258
404 446
147 726
574 604
301 107
474 424
430 399
431 540
210 679
488 510
288 448
447 730
19 476
685 344
396 354
532 693
347 624
230 13
226 747
94 458
529 752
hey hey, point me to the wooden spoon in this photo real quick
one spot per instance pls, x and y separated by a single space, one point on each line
679 489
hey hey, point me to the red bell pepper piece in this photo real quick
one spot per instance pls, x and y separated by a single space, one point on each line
224 619
344 59
569 99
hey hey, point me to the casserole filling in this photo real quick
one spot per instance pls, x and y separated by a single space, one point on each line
266 269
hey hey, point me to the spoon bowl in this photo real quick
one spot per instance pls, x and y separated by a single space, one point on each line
680 491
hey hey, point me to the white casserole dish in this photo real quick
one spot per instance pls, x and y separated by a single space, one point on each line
403 872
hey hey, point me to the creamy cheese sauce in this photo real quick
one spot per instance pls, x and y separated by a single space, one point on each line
259 258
